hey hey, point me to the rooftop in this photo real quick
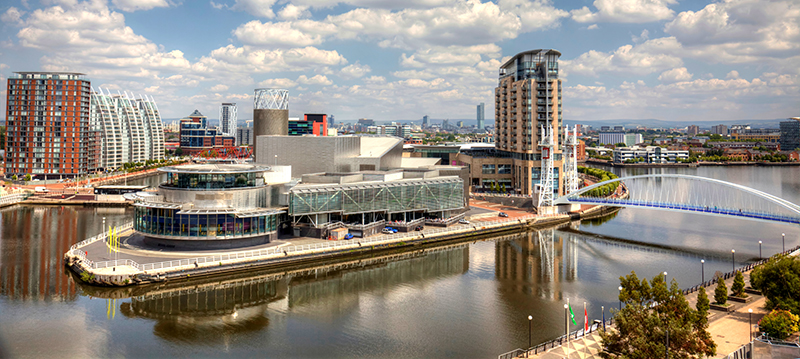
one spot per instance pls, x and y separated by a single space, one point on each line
214 168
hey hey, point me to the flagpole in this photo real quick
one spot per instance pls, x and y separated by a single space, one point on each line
566 325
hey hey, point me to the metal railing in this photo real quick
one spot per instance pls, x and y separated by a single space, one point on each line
13 198
557 342
297 250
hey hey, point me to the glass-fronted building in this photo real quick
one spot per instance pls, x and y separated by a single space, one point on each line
209 206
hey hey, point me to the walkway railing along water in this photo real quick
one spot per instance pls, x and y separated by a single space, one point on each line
285 251
13 198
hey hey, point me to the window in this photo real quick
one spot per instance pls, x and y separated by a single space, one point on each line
504 169
488 169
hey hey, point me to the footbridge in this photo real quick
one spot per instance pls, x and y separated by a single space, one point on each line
694 194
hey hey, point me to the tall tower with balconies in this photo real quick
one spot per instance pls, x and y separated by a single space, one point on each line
528 122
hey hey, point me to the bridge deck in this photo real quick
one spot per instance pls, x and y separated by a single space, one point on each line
687 208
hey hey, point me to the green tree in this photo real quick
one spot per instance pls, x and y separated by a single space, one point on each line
737 289
178 151
2 137
779 281
702 305
779 323
721 292
651 309
27 177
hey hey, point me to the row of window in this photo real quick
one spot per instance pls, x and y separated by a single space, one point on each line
166 222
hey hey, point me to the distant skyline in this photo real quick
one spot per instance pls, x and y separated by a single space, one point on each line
627 59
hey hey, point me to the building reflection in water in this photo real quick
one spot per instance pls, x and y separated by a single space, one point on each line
210 311
537 261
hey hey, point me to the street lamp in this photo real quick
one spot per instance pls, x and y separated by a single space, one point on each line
530 320
665 280
702 270
566 325
104 225
759 250
783 240
276 160
733 259
750 323
620 297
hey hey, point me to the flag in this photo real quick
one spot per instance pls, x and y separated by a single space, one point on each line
585 319
572 315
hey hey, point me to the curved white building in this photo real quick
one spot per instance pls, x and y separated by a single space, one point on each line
130 129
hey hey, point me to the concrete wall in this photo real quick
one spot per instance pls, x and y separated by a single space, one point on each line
308 154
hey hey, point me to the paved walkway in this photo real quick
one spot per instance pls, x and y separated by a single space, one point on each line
729 330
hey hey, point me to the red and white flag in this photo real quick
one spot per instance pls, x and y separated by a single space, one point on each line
585 318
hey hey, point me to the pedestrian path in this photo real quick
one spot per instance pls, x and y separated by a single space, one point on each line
729 330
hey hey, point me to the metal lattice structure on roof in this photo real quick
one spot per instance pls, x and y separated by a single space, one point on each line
271 99
387 197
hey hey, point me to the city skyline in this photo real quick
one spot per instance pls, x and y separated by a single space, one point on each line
665 60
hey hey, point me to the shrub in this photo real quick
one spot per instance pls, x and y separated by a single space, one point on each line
737 289
779 281
779 323
721 293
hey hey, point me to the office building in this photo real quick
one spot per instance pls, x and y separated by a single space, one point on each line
130 129
227 119
481 115
527 107
310 125
790 134
49 134
649 154
195 136
758 134
719 130
331 122
424 121
611 138
244 136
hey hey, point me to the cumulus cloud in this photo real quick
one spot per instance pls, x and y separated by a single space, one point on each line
284 34
219 88
293 12
355 70
277 83
257 8
626 11
732 75
12 16
677 74
645 58
316 80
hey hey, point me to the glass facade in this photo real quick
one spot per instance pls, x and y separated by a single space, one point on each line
167 222
400 197
214 180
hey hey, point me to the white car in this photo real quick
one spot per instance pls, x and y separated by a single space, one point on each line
463 221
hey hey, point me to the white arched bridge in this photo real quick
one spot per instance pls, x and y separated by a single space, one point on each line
685 193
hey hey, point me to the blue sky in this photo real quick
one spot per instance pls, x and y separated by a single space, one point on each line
400 60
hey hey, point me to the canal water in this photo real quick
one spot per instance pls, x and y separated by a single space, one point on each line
463 301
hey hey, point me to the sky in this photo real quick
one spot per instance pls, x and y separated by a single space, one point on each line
399 60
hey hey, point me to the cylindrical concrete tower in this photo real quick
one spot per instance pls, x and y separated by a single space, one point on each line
270 113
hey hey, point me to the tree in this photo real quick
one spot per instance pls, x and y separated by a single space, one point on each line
702 305
651 309
737 289
779 281
178 151
721 292
27 177
779 323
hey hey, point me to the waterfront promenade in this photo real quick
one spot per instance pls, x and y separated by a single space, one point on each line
729 330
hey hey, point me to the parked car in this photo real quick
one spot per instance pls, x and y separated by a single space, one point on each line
348 236
463 221
394 230
386 231
503 214
419 228
41 189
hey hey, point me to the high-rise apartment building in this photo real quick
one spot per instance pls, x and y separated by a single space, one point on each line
481 115
719 130
227 119
790 134
130 129
48 132
424 121
527 104
692 130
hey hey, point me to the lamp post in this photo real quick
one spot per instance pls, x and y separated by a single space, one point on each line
750 323
566 325
702 271
733 259
665 280
759 250
783 240
620 299
530 320
276 160
104 225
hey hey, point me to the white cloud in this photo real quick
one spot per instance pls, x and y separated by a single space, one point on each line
316 80
285 34
135 5
293 12
534 15
277 83
355 70
592 27
677 74
745 31
648 57
625 11
219 88
12 16
643 37
732 75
